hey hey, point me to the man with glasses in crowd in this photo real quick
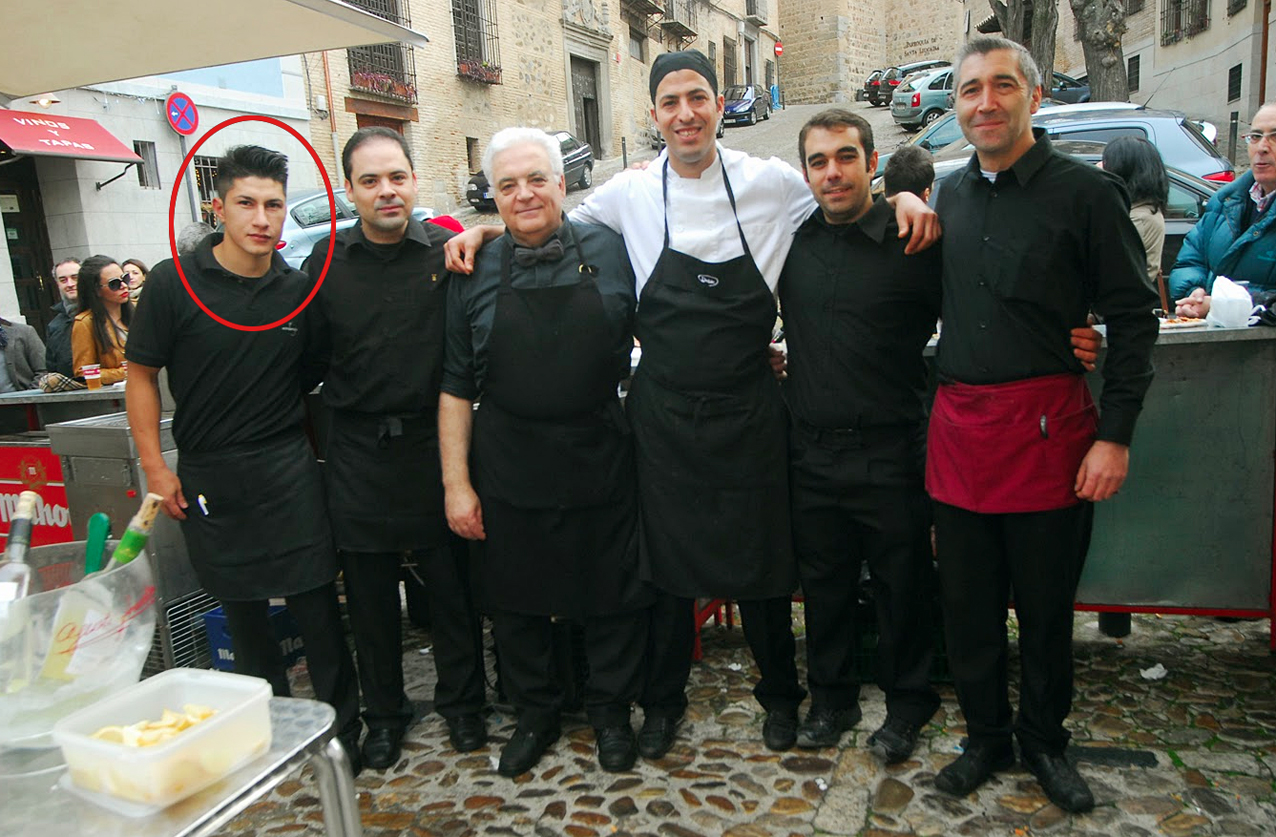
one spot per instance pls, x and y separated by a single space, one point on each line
1236 237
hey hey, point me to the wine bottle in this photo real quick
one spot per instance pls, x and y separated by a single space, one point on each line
138 532
17 579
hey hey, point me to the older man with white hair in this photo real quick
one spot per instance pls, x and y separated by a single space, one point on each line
542 472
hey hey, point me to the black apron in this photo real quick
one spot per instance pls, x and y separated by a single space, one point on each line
385 484
256 526
710 431
552 456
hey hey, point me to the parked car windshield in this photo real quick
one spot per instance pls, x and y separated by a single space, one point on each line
739 91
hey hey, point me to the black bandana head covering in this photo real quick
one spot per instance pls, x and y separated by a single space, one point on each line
672 62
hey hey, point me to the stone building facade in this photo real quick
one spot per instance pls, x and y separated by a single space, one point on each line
579 65
830 46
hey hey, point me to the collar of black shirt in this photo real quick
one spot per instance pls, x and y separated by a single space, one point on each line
416 232
872 223
1025 167
209 266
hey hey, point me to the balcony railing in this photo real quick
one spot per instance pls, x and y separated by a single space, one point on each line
384 70
755 12
1182 19
478 47
680 18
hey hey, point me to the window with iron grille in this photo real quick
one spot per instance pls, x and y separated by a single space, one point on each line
1182 19
478 52
148 169
728 62
1234 6
472 155
637 44
1132 72
384 69
205 169
713 54
1234 83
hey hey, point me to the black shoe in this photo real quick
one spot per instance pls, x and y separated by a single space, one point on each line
895 740
617 748
1060 780
524 749
973 767
381 747
350 743
824 727
466 732
779 730
657 735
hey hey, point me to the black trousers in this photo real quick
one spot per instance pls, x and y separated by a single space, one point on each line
855 502
983 559
613 649
372 599
768 629
327 657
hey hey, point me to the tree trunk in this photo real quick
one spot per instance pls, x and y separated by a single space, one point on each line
1045 21
1010 16
1102 24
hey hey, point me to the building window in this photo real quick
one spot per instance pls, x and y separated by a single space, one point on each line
1234 6
472 154
1234 83
728 62
205 169
1132 72
637 45
1182 19
1133 6
478 49
387 70
713 55
148 169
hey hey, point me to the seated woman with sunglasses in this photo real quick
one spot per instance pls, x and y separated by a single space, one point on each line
100 330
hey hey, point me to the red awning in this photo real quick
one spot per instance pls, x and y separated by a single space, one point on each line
60 136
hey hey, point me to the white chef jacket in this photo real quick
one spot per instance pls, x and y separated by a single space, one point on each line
772 200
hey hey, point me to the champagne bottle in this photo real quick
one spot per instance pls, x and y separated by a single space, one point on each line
139 530
17 579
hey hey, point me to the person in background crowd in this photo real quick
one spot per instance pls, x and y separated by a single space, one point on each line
910 169
1016 454
855 389
1139 165
385 298
188 240
57 352
1236 237
248 490
707 230
556 504
135 271
24 354
100 330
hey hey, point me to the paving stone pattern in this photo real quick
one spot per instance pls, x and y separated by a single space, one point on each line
1205 735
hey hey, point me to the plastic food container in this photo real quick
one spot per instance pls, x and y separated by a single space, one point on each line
148 779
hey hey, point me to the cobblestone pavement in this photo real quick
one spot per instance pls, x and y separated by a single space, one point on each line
1192 753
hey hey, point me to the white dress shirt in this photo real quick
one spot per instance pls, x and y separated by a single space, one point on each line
772 200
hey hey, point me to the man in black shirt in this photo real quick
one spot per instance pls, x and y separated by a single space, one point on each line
380 317
248 489
1033 241
57 350
857 316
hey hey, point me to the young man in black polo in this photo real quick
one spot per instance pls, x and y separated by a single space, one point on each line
248 489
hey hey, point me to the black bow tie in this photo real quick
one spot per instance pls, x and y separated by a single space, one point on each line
551 251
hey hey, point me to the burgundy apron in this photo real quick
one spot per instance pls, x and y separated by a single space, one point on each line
1008 448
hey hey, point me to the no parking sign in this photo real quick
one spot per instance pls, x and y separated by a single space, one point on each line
182 115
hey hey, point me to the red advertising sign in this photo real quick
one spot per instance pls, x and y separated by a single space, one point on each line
61 136
35 467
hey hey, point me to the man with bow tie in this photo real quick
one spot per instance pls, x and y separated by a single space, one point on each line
542 473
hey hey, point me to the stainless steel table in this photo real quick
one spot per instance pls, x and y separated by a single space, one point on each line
302 733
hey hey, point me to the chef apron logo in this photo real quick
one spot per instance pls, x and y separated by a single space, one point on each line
707 280
290 329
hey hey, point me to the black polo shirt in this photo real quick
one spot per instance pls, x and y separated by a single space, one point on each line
231 387
380 316
857 315
1025 259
